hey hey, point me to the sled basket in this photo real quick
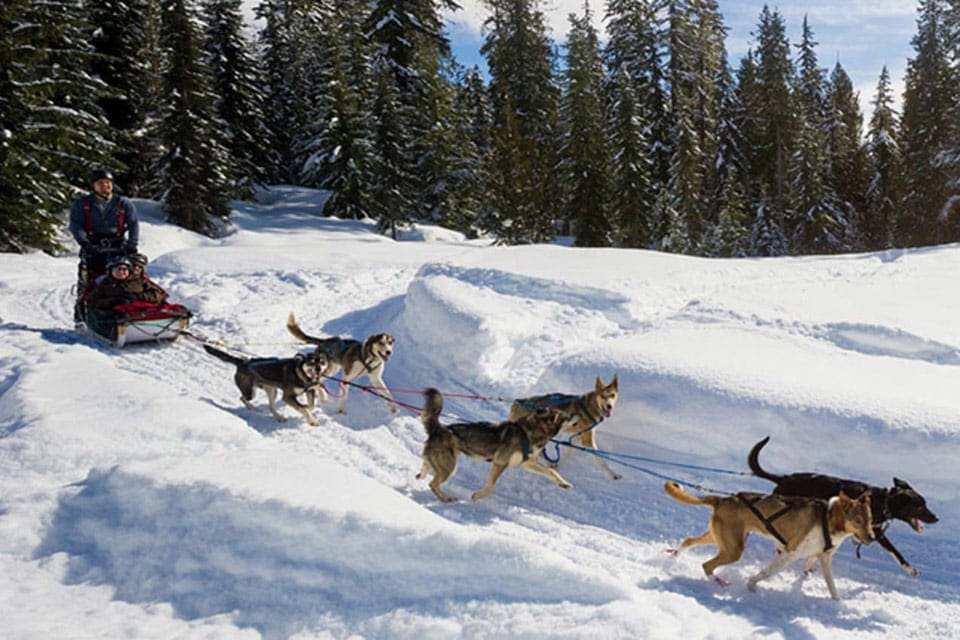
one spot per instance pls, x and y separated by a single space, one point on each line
141 322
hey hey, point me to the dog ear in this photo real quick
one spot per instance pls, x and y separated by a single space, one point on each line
901 484
615 383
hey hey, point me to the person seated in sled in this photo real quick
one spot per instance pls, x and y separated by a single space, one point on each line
105 225
139 262
118 288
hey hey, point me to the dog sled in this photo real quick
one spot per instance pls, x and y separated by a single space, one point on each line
138 322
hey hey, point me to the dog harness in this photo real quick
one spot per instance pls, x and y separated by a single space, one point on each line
821 506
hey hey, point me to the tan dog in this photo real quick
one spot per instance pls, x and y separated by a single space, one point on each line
353 357
581 414
801 527
503 445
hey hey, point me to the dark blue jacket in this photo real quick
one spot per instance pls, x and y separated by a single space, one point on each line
104 225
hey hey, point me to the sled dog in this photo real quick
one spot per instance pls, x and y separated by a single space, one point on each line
900 502
801 528
506 444
582 414
353 357
289 376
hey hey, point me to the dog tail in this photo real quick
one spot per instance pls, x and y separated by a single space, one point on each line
223 355
432 407
754 461
298 333
676 492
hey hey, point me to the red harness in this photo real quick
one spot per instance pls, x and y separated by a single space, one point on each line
89 218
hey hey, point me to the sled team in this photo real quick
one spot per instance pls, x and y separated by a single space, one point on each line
807 515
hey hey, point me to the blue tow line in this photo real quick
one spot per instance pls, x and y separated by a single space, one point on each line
620 458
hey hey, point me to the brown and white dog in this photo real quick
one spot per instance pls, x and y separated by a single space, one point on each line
581 414
503 445
353 357
801 528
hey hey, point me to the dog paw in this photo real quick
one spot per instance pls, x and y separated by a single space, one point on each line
448 499
617 476
912 571
751 586
720 581
673 552
394 410
565 485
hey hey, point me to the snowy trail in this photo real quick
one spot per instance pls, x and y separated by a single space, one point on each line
134 484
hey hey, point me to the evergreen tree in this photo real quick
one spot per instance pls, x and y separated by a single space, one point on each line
775 115
632 197
128 55
728 236
949 158
766 234
696 59
884 191
285 37
391 194
928 100
473 123
636 109
52 129
412 45
193 166
817 223
524 99
848 172
339 148
239 99
583 165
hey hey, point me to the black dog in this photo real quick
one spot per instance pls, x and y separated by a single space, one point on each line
289 376
901 502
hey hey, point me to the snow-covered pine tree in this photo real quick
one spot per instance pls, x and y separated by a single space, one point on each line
411 43
884 190
193 167
815 220
286 39
775 114
51 129
695 67
949 157
634 101
847 156
128 58
928 101
239 98
583 163
339 148
524 99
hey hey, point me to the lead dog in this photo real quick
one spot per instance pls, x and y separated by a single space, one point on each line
290 376
901 502
800 527
503 445
353 357
581 414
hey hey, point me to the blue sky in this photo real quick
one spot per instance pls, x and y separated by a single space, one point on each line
864 35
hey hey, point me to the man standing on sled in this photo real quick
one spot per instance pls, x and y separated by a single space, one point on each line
105 226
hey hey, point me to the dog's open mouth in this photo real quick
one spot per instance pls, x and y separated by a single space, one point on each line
606 411
916 524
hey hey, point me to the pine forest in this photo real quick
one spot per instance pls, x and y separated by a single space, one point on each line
642 136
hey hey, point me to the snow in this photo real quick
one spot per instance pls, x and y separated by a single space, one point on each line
139 498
